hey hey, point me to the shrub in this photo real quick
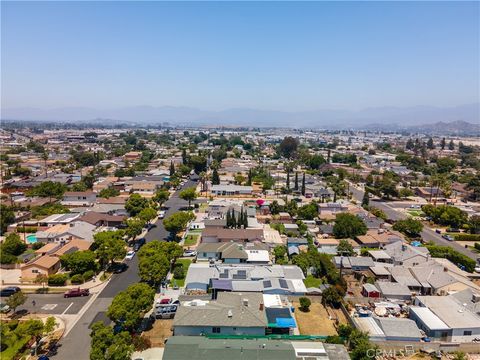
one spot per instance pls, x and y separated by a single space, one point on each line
141 343
77 279
26 229
178 272
37 245
57 279
477 246
305 303
88 275
467 237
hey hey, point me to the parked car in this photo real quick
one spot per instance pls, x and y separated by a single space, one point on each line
9 291
76 293
448 237
477 269
438 231
166 312
161 214
139 244
189 253
130 255
453 230
164 301
118 268
4 308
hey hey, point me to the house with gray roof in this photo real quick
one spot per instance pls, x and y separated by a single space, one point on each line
230 314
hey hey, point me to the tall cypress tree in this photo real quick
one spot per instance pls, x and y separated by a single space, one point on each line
303 185
172 168
288 179
296 181
366 199
249 180
229 220
215 177
234 220
245 220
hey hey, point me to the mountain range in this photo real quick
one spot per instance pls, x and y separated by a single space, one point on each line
392 117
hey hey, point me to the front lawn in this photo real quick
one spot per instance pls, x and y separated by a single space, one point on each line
312 281
191 240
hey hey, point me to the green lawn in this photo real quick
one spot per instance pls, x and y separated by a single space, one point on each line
191 239
186 264
311 281
416 213
14 346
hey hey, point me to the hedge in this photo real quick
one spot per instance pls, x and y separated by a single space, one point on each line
88 275
452 255
467 237
26 229
57 279
77 279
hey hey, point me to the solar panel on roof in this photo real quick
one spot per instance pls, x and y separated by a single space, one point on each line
283 283
267 284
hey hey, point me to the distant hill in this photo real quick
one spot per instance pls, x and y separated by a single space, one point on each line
389 117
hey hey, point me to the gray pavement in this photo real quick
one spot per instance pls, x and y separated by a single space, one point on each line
54 304
77 341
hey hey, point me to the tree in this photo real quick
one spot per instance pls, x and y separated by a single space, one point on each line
239 179
7 217
331 296
147 214
308 212
474 224
348 226
79 262
409 227
409 145
48 189
177 222
129 306
50 325
446 165
446 215
161 196
153 267
135 204
13 245
134 227
430 144
451 145
305 304
172 168
288 147
199 163
345 248
188 195
280 251
274 207
315 161
365 199
109 246
442 144
303 184
16 300
106 345
108 192
215 177
405 193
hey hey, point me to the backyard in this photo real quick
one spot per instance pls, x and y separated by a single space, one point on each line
314 322
160 331
311 281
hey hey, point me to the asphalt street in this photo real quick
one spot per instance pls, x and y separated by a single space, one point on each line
54 304
77 341
427 234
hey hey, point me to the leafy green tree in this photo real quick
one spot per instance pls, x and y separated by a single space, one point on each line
474 224
7 217
308 211
446 165
331 296
405 193
348 226
16 300
79 262
274 207
454 256
177 222
345 248
288 147
409 227
315 161
50 325
134 227
161 196
280 251
48 189
109 246
199 163
106 345
135 204
188 195
108 192
147 214
215 177
13 245
129 306
446 215
153 267
430 144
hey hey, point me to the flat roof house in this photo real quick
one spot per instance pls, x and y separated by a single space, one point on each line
79 198
229 190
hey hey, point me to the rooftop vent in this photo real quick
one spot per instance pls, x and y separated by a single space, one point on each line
230 313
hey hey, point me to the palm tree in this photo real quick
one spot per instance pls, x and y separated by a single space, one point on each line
45 158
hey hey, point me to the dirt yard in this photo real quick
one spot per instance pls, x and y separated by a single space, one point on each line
314 322
161 330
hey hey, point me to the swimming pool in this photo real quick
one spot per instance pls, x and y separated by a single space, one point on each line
31 239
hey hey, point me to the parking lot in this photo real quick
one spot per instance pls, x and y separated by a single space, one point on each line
53 304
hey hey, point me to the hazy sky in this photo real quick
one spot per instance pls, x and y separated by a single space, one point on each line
285 56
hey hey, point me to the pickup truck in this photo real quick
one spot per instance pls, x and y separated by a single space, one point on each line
76 292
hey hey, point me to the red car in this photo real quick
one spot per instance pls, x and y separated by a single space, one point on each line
76 292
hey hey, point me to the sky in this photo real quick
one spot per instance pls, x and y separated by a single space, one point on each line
292 56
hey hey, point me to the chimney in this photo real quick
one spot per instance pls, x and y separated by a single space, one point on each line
445 269
245 302
229 314
261 307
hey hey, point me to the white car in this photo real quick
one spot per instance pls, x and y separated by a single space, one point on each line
188 253
130 255
161 214
477 269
